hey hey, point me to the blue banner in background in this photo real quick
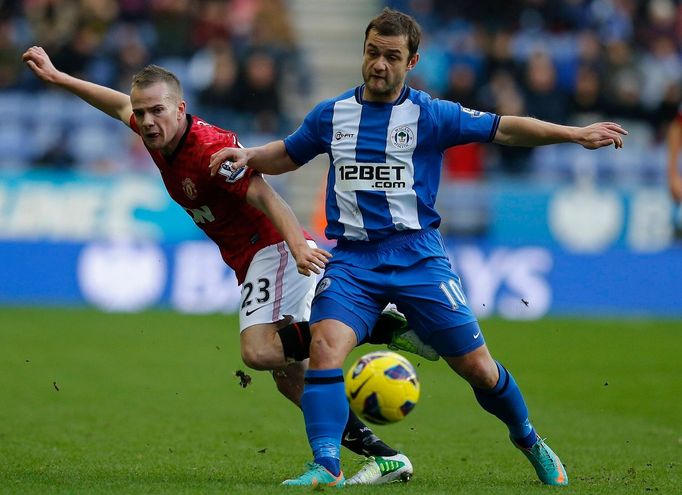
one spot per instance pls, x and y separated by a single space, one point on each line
525 282
121 244
69 207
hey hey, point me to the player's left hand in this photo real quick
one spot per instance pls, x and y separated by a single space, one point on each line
601 134
310 260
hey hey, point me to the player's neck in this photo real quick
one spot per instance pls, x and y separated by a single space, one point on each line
370 97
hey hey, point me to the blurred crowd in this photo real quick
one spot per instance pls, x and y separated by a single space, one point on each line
231 56
568 61
565 61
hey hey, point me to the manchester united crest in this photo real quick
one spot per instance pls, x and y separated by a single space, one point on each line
189 188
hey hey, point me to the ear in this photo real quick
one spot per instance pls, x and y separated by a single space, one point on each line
413 61
182 106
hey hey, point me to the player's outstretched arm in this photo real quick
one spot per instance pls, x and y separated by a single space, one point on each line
527 131
271 159
109 101
674 140
260 195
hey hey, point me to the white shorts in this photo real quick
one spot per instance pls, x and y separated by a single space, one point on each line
273 289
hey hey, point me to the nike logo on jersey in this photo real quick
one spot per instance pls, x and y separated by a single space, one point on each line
355 392
250 312
476 335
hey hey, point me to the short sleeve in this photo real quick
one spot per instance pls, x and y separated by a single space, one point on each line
306 142
460 125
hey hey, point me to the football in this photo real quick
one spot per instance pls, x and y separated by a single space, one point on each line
382 387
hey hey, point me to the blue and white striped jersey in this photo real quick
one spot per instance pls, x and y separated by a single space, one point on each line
385 158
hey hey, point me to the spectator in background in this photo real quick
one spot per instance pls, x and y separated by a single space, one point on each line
52 22
80 51
544 99
587 103
10 56
500 57
172 24
211 23
57 156
633 46
462 86
256 92
668 109
503 96
674 147
131 54
463 162
217 98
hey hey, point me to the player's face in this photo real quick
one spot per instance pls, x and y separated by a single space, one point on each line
160 116
385 64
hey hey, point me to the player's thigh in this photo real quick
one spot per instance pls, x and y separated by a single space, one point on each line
273 290
347 295
432 298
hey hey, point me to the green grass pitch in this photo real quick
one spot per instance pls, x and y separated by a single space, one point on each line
148 403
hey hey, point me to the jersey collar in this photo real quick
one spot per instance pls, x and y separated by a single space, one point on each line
401 98
181 143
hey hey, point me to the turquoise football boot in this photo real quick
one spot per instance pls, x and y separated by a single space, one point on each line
547 464
317 476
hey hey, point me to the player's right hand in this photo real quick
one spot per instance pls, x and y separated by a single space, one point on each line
235 158
39 62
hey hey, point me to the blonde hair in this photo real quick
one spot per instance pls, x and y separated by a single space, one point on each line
153 74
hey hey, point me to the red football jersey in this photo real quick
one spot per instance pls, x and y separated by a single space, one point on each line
216 205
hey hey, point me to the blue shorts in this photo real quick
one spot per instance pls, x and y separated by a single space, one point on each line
409 269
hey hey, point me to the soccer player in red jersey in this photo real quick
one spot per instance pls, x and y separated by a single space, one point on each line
257 233
674 147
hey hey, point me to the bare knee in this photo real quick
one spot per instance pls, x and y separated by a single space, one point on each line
478 368
261 348
257 359
330 344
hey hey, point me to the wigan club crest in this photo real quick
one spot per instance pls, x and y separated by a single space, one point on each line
402 137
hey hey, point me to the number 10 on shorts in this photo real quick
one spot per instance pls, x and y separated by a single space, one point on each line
453 291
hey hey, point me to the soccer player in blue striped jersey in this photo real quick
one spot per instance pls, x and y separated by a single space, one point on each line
385 142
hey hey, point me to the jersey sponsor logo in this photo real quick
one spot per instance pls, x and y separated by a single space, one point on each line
322 286
370 176
189 188
402 137
231 175
339 135
201 215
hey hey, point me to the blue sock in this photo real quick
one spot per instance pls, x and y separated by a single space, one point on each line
325 410
505 401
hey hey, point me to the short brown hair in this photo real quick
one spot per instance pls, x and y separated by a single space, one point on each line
153 74
394 23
